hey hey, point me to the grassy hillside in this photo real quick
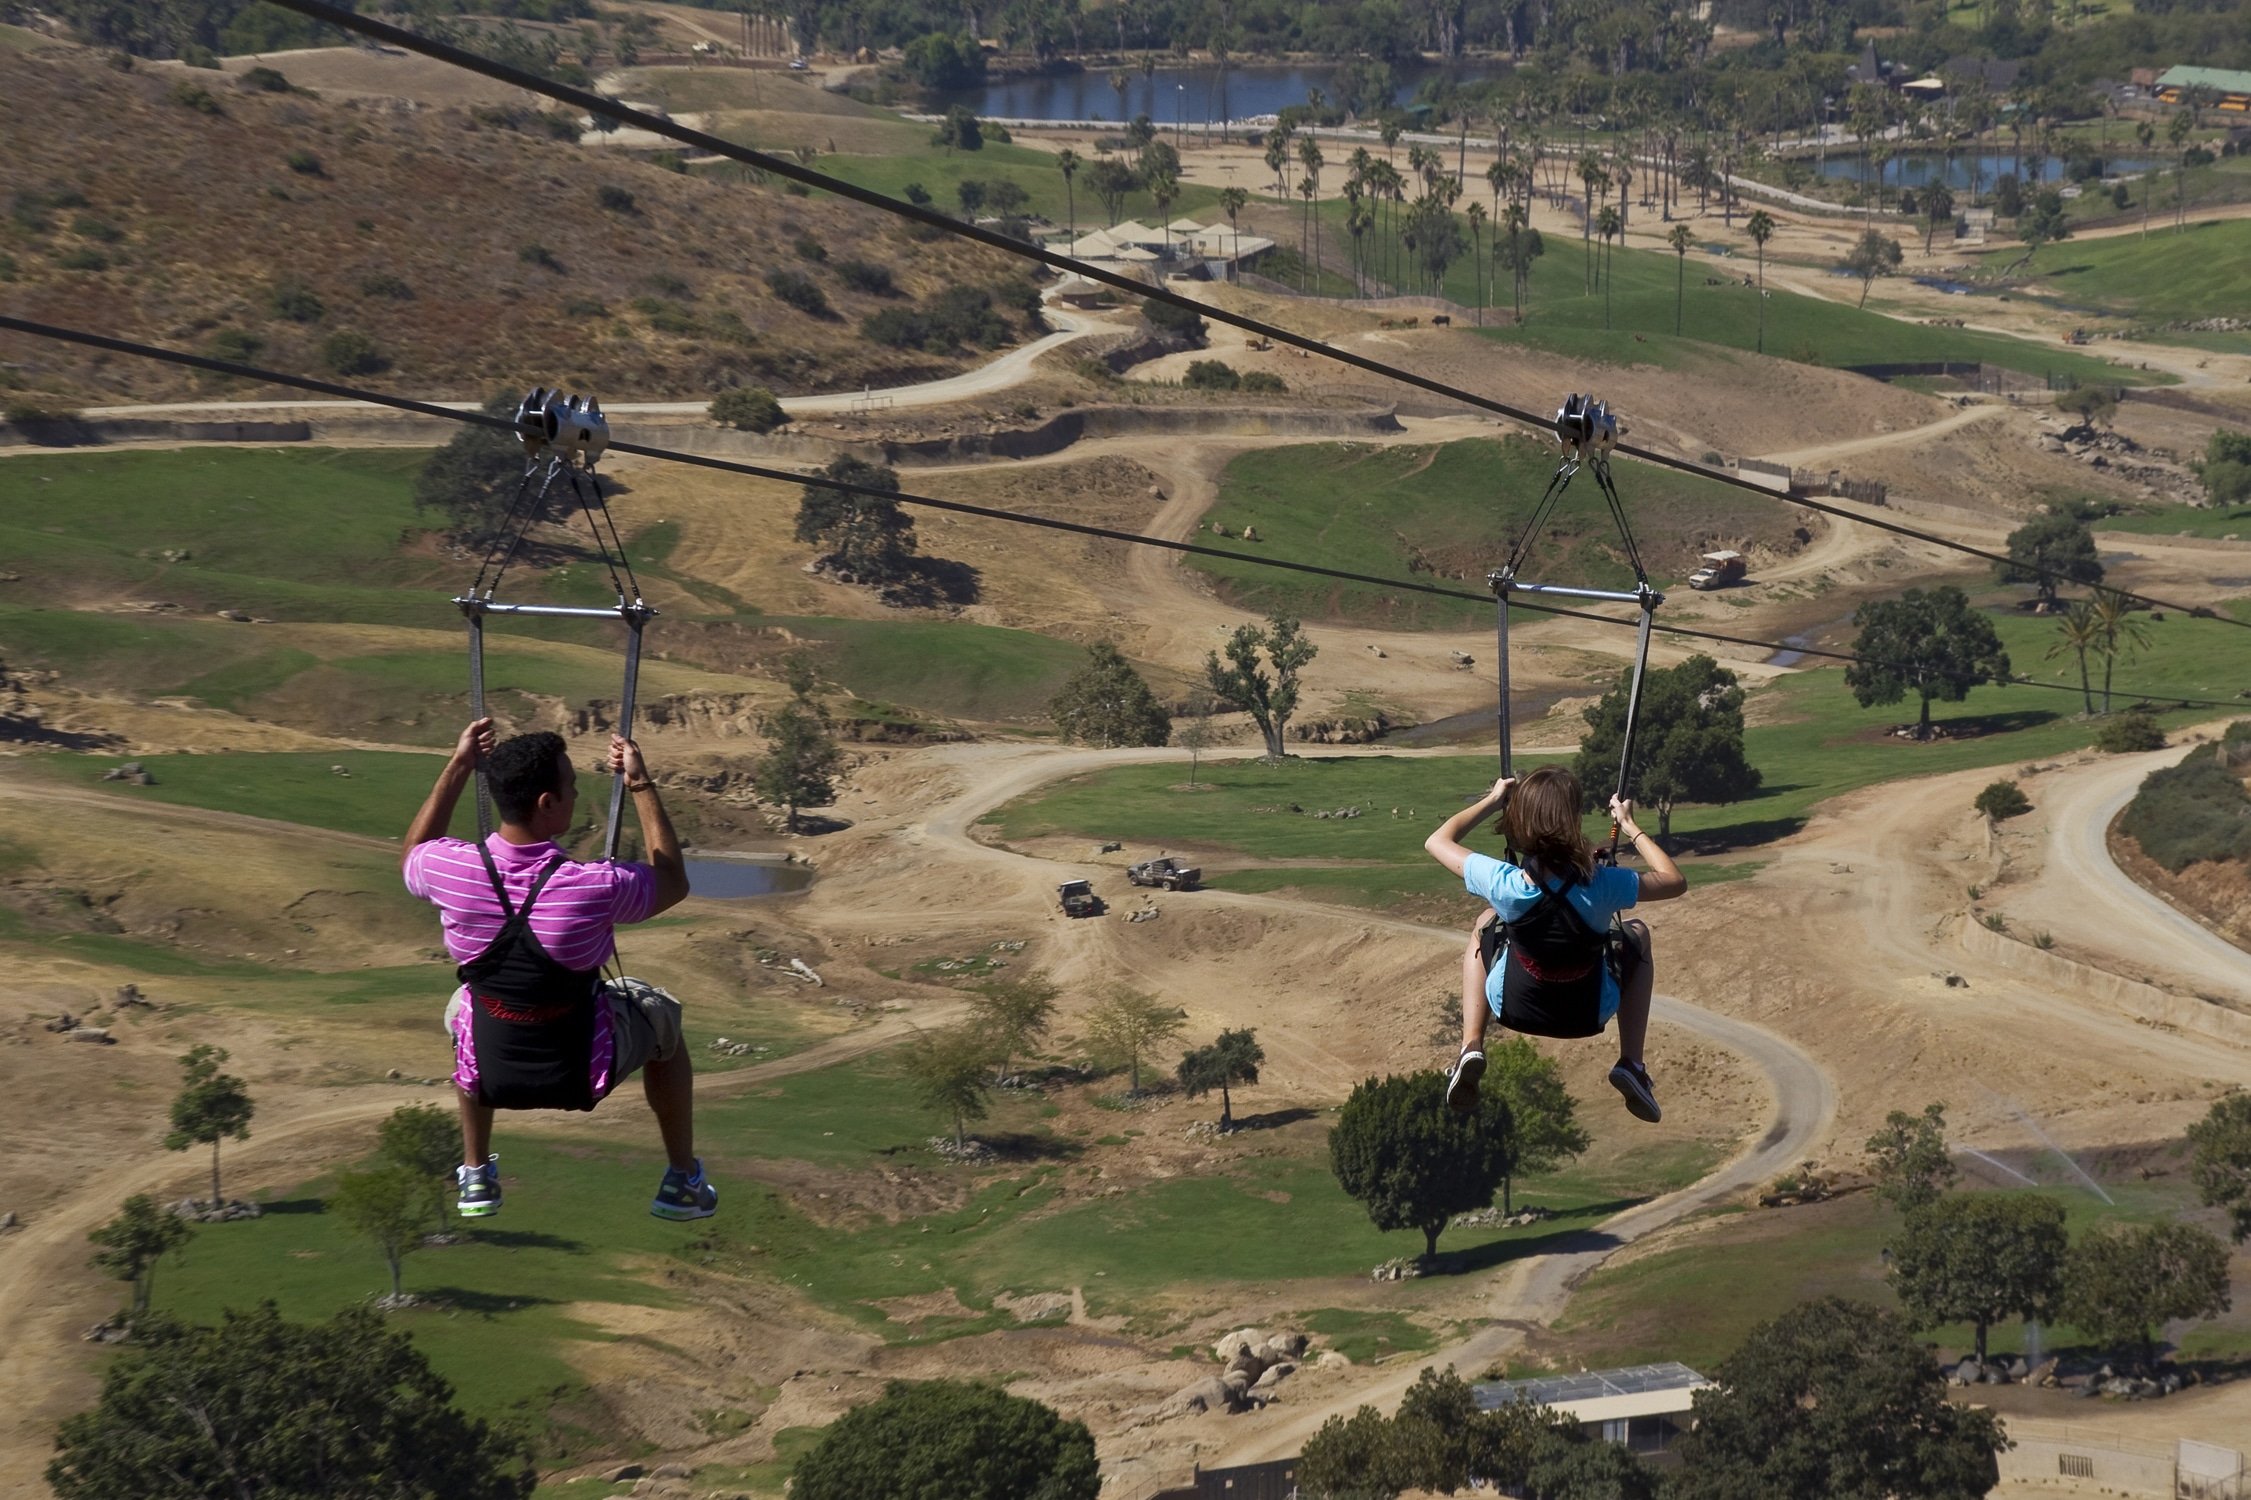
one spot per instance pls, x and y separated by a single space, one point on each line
471 249
1566 318
941 173
1448 514
2196 273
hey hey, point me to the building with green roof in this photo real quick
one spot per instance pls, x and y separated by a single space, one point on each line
2227 88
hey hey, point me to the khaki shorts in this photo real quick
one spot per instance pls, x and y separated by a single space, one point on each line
644 1025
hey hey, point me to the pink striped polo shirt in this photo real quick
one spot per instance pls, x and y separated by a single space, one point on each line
573 920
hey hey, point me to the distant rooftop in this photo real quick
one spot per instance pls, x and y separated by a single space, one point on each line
1594 1385
2219 80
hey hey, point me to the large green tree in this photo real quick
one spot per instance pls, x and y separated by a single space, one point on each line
1126 1025
1874 254
1411 1162
1234 1058
949 1440
1543 1118
210 1107
132 1243
1928 642
2123 1283
387 1206
1439 1443
1838 1399
1014 1015
1574 1466
868 537
1267 690
948 1072
799 766
1107 703
2050 550
1350 1458
1977 1258
2220 1160
342 1410
472 481
1909 1160
425 1140
1688 740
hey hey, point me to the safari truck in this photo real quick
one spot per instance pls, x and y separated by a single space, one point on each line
1720 569
1165 872
1078 899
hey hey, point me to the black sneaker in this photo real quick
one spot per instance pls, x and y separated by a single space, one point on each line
1632 1080
685 1195
478 1189
1461 1083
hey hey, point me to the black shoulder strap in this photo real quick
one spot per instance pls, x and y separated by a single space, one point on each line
492 873
1555 895
540 884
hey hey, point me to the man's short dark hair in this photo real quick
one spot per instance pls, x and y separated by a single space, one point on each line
522 767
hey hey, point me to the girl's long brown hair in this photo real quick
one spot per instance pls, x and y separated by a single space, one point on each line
1541 822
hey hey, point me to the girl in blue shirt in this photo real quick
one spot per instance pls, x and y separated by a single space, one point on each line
1572 965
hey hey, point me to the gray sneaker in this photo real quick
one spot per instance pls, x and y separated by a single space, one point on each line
477 1189
685 1195
1461 1082
1632 1080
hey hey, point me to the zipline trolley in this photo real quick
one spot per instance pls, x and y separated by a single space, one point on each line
1588 431
563 437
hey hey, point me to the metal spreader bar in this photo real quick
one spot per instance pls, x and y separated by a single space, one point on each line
571 434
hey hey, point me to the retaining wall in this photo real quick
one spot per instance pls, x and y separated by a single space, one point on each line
2145 1001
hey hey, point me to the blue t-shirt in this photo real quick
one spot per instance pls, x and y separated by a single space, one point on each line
1511 891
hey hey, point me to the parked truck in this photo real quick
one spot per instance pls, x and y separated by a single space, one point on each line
1720 569
1166 873
1078 899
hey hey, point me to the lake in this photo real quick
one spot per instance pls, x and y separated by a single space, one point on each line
1173 96
741 877
1922 168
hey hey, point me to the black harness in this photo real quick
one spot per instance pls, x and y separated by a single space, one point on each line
1553 985
531 1019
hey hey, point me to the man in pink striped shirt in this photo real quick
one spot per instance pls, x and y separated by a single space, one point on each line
534 1024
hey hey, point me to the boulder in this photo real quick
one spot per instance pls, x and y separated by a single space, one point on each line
1965 1373
8 1220
1274 1376
1230 1344
622 1473
1292 1345
1333 1359
99 1035
1210 1394
673 1471
1246 1364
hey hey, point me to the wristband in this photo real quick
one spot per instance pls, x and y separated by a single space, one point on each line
641 786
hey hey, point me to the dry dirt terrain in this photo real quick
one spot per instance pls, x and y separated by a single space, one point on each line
1851 975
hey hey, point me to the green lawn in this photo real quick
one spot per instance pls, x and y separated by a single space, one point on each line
1819 744
376 797
1565 317
2184 520
2164 278
940 173
951 667
1447 514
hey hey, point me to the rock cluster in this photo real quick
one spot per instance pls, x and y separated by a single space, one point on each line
1402 1269
1493 1218
205 1213
133 773
970 1150
727 1048
1253 1364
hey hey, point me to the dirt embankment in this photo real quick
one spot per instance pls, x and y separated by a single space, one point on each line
184 206
2214 892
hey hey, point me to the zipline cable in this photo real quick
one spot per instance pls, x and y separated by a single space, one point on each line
986 512
610 109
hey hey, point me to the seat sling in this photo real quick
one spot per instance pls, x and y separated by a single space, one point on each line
530 1018
1553 983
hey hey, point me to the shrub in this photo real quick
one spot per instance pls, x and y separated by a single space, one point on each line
196 97
2003 799
539 255
666 317
2195 810
384 284
297 302
866 276
896 328
748 409
350 353
808 248
7 267
585 307
305 164
265 81
727 326
1211 375
2135 729
83 259
196 55
798 290
1264 383
87 227
615 199
234 344
1182 321
665 284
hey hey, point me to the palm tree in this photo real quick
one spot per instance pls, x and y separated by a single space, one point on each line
2078 632
2146 134
2178 134
1514 219
1277 158
1761 227
2121 635
1307 272
1309 156
1679 239
1358 220
1120 79
1938 204
1067 162
1591 175
1476 217
1609 226
1231 203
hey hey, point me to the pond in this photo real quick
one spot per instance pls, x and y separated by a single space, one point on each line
741 877
1921 168
1173 96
